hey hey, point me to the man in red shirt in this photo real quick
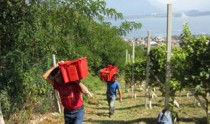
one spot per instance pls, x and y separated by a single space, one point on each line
70 94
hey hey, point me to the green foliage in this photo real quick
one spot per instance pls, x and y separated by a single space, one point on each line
186 36
191 62
32 32
93 83
126 27
198 54
70 29
158 62
138 69
179 66
189 66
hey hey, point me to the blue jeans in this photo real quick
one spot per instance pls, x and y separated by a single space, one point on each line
111 101
74 116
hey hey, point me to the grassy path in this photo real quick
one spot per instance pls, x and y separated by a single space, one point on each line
132 110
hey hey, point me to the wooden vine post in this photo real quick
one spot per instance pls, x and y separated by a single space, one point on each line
147 93
126 62
133 83
168 63
56 93
1 116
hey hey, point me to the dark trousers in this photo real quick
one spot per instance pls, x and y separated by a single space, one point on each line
74 116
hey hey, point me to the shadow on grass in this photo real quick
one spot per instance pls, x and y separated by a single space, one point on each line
194 120
117 108
145 121
100 94
100 108
103 97
103 114
124 108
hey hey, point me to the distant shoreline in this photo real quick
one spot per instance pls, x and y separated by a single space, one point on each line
199 25
157 16
191 13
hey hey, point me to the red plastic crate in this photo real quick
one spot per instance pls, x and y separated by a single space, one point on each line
107 73
104 74
74 70
113 69
63 67
82 67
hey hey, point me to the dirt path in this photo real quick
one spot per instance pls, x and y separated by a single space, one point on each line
131 110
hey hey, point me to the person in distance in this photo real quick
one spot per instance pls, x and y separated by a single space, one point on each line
112 87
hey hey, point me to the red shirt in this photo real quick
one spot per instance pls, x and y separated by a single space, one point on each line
70 94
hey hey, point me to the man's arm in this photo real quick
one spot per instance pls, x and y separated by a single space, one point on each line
83 88
47 76
120 94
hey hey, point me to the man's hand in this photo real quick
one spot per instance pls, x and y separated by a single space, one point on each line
120 99
83 88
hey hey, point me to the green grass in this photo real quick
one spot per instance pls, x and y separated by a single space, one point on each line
131 110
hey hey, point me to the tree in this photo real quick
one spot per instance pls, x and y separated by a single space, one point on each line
33 32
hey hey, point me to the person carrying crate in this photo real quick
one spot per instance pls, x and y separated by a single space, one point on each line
70 94
112 87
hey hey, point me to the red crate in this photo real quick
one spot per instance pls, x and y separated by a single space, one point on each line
82 67
113 68
104 74
63 67
74 70
107 73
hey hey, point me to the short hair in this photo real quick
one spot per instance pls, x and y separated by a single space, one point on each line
116 74
54 71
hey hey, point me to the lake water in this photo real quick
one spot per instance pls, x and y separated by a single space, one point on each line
157 25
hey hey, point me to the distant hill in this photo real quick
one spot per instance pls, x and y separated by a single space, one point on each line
197 13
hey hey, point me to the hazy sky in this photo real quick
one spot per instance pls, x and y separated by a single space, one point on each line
180 5
133 7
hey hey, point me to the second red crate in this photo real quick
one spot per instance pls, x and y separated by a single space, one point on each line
107 73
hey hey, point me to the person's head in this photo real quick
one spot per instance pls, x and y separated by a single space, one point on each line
115 77
57 76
